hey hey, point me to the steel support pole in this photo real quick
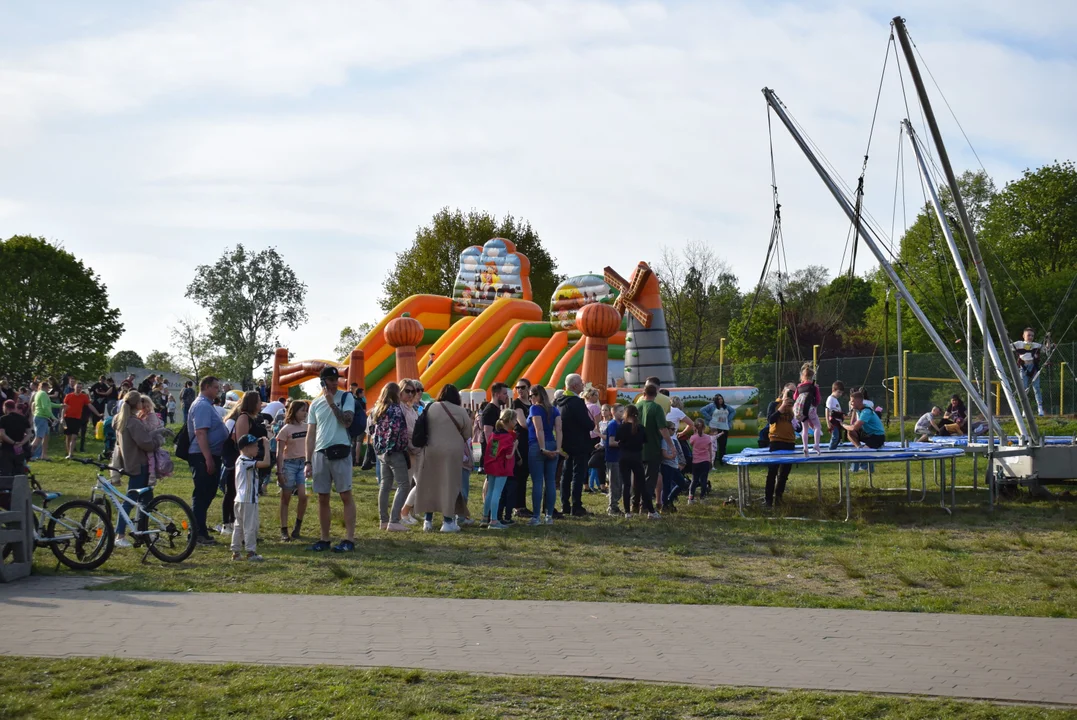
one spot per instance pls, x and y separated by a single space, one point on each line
970 234
876 249
972 307
901 376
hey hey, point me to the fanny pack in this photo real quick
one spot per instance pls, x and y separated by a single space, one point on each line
336 452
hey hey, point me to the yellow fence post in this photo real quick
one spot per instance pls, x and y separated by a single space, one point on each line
721 360
815 357
904 384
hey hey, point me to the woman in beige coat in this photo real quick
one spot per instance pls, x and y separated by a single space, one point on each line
437 483
133 441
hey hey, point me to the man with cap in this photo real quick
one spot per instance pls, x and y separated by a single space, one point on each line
329 453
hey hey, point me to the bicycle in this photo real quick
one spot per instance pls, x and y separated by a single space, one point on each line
78 532
165 524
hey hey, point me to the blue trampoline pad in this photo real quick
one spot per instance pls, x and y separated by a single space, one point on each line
917 451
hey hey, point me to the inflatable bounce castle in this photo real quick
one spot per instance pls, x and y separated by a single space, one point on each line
609 329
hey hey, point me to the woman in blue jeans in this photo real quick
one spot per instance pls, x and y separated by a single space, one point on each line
133 441
543 450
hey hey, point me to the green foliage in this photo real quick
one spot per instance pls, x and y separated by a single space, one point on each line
125 359
197 356
429 266
296 392
349 338
160 360
55 316
249 297
700 297
1031 229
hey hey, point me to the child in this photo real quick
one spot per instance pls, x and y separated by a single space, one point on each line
702 446
149 418
618 490
927 425
500 452
170 408
673 460
291 456
806 400
245 527
834 413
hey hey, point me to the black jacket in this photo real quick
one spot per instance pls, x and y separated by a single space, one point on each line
576 425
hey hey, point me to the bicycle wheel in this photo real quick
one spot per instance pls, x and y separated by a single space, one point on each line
79 535
169 526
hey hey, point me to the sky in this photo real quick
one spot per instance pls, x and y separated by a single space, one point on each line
146 137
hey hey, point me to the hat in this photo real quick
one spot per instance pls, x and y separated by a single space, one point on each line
329 374
246 440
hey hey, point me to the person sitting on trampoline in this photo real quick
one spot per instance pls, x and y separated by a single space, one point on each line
866 429
928 424
956 417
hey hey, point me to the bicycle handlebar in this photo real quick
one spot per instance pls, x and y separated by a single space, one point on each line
88 461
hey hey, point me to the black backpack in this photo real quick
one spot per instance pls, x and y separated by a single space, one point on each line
358 426
183 443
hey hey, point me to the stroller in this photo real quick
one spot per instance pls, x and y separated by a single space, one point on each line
110 441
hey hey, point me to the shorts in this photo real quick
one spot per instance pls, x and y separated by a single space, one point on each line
331 475
292 475
41 427
73 426
873 441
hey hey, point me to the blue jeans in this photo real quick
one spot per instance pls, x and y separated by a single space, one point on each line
465 483
543 477
137 482
1026 378
495 485
593 481
673 483
41 430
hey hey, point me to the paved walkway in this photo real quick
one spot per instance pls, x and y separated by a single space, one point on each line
994 658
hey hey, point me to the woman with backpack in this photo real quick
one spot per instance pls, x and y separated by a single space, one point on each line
440 460
390 439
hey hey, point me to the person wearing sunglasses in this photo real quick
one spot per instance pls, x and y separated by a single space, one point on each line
522 405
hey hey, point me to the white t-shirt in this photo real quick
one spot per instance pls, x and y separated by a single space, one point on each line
925 421
273 408
832 404
676 415
246 480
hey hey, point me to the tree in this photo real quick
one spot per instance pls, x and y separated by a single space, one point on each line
55 315
160 360
349 338
195 347
429 266
249 297
125 359
1030 246
699 298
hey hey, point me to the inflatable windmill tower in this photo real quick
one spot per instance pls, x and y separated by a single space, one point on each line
647 350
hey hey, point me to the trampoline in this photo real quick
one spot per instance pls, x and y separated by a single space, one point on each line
889 453
981 441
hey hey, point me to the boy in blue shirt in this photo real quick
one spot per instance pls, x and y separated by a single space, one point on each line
866 429
613 463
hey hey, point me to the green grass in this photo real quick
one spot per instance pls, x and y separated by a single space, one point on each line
891 556
42 689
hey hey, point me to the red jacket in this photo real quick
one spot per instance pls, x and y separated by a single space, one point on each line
499 461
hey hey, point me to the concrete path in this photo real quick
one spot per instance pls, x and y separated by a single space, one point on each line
992 658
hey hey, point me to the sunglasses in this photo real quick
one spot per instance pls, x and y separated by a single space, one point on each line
409 392
521 388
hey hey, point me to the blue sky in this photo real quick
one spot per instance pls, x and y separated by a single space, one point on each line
147 136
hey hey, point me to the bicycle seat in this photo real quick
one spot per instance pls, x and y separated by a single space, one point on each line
141 490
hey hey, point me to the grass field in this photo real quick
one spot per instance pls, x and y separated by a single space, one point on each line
44 689
892 556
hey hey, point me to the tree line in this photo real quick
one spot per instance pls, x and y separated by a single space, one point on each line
56 316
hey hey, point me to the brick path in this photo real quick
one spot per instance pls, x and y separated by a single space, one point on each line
994 658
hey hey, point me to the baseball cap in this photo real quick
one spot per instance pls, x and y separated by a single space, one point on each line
329 374
246 440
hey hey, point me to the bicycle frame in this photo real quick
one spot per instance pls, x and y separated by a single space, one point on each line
43 514
114 496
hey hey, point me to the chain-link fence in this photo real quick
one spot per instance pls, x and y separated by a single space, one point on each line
929 380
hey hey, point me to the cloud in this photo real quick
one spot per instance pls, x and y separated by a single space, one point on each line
333 129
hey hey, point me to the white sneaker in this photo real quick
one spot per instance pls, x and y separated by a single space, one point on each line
495 525
654 516
428 526
122 541
449 527
536 520
464 521
628 516
408 520
549 519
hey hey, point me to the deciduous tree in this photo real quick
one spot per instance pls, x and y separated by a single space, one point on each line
249 297
55 315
